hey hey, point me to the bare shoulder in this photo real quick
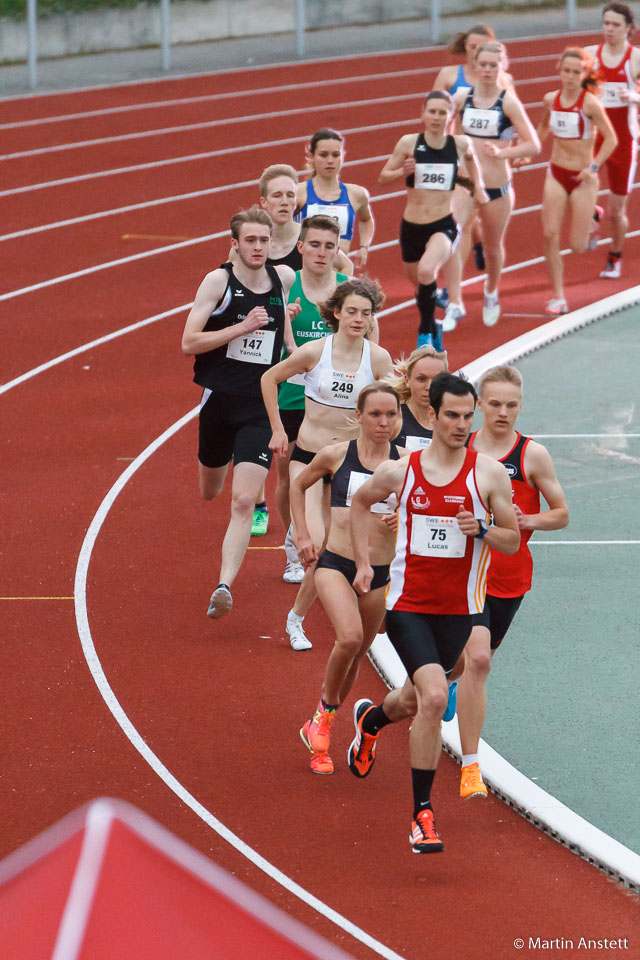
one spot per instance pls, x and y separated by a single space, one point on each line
536 457
286 274
491 471
462 144
548 98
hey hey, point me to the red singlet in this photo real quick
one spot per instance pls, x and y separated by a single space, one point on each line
437 569
510 576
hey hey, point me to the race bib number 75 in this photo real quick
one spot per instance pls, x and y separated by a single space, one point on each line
437 537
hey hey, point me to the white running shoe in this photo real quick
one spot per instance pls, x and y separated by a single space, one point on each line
491 309
293 572
453 313
556 306
297 636
613 269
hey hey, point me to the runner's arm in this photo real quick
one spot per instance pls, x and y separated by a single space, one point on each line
326 461
495 487
195 339
396 165
386 479
301 360
538 467
366 224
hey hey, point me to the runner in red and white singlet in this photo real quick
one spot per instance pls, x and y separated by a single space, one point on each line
437 569
618 69
532 473
446 494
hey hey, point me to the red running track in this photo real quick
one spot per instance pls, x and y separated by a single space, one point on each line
220 704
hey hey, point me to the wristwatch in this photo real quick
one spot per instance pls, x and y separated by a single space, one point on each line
484 528
593 167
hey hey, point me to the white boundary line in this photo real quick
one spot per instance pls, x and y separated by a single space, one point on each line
30 95
132 734
535 804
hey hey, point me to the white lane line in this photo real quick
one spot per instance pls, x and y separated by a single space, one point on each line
575 436
136 739
212 97
575 543
223 122
283 64
210 124
43 367
251 92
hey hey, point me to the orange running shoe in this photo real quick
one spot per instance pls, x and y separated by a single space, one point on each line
424 836
471 782
321 762
362 751
319 729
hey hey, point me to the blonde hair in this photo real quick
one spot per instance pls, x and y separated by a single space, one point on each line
503 374
272 173
377 386
494 46
402 369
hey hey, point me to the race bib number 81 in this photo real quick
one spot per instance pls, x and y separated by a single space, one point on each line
437 537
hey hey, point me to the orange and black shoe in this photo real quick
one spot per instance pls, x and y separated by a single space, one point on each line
471 782
362 751
320 762
424 836
319 729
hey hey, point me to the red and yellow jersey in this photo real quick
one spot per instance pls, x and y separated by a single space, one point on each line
436 568
623 116
510 575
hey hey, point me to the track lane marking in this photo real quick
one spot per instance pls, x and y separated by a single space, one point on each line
136 739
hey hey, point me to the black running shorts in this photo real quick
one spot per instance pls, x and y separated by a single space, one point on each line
348 569
497 616
233 428
421 638
414 237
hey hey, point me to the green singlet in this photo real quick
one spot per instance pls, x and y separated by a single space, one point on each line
308 325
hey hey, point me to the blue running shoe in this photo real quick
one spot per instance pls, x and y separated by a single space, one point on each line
437 338
442 298
424 340
450 712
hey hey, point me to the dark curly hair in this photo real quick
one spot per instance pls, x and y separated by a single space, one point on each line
361 287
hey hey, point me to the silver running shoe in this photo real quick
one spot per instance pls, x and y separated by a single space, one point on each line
491 309
453 313
293 572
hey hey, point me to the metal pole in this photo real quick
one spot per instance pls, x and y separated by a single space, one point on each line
435 21
300 27
32 42
165 33
571 13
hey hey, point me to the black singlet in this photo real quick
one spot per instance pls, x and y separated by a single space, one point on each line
344 484
235 368
435 169
292 259
420 436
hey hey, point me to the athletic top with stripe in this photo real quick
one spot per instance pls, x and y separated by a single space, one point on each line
510 576
570 123
350 476
490 123
340 209
292 259
308 325
436 568
332 387
435 169
460 82
235 368
412 436
623 116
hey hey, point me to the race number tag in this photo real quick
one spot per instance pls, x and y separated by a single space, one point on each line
480 123
611 95
383 506
437 537
336 211
416 443
256 347
434 176
338 389
565 125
